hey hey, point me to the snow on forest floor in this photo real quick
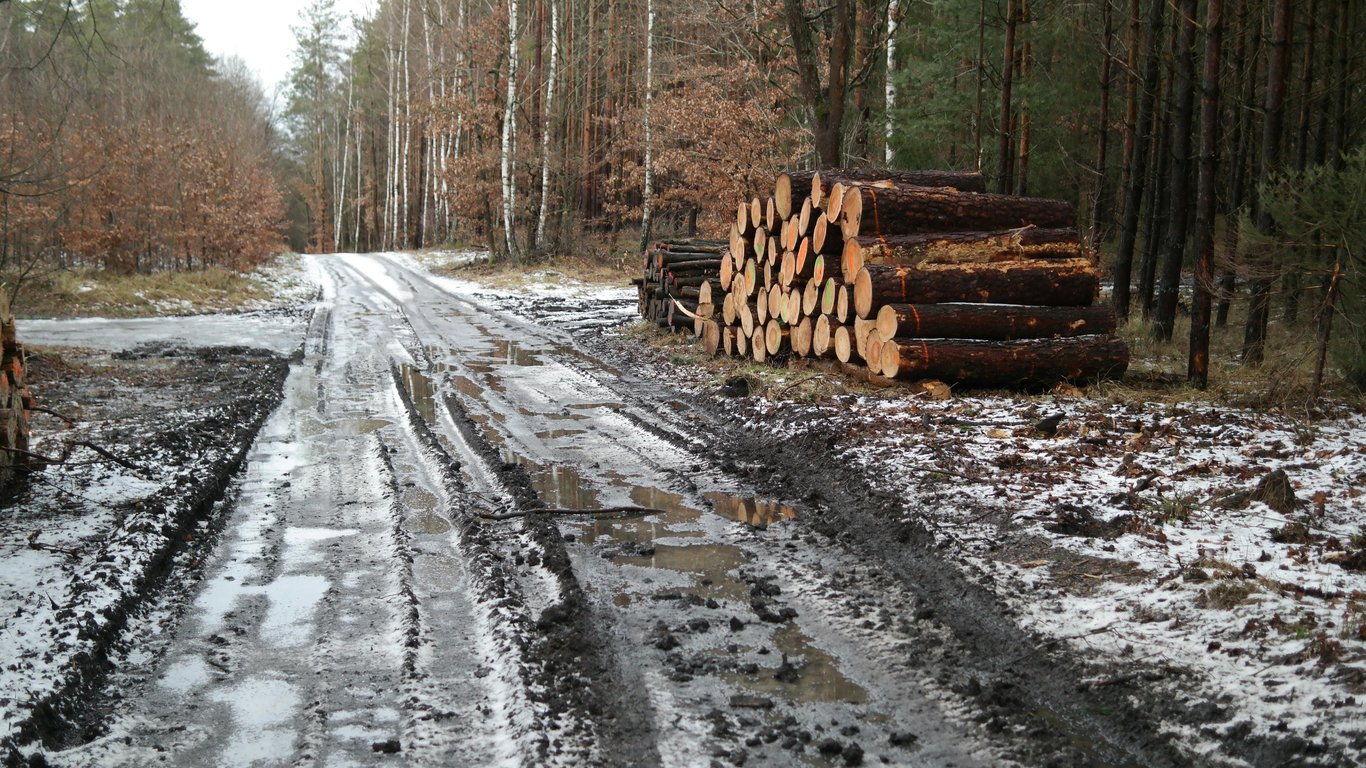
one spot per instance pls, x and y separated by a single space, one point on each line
1154 537
1215 552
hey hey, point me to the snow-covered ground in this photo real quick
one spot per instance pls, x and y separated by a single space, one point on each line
1136 534
1147 536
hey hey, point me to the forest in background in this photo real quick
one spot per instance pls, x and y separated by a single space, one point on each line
1213 147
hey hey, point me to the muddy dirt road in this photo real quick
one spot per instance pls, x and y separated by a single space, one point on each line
463 539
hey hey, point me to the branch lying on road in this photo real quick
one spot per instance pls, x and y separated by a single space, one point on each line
142 472
556 511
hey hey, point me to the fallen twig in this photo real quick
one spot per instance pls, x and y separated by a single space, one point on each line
33 543
143 472
50 412
631 511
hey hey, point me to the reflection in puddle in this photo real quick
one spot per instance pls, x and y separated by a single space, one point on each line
750 510
511 353
555 434
560 486
422 391
819 678
359 426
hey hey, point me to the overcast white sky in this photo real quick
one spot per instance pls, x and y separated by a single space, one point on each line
259 31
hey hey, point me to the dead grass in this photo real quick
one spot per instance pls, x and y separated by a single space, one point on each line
89 293
1157 369
505 274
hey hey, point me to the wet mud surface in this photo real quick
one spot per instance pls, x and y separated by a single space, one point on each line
484 530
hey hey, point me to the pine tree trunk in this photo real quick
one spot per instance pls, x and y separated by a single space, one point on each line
1157 213
1178 206
1004 176
1138 163
1242 150
1259 313
1099 201
1197 367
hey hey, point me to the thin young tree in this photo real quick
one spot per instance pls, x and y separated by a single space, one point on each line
1178 206
1259 311
1138 162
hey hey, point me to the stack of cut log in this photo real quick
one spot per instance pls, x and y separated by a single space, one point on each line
679 280
913 274
15 400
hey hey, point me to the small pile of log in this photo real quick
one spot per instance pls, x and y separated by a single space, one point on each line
678 281
16 403
913 274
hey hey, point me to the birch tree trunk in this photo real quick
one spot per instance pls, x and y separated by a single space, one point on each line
551 74
510 136
649 192
892 7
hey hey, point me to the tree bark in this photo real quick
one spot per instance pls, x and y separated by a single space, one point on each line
911 210
959 248
1197 365
1138 163
1069 283
648 193
1004 177
997 322
510 136
827 103
1178 206
1026 363
1254 335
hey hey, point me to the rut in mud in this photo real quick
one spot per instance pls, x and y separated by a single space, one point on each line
410 567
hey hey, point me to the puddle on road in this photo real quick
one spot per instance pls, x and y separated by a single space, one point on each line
556 434
818 676
750 510
421 390
423 516
511 353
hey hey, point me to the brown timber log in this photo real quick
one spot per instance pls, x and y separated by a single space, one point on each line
826 237
711 337
789 188
823 338
960 247
844 304
992 322
1030 363
792 307
758 345
1067 282
811 297
801 337
777 300
830 294
777 340
745 314
845 351
744 225
728 339
963 181
913 210
741 343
